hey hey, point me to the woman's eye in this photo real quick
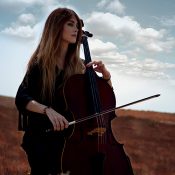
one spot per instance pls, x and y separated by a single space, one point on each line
73 25
70 24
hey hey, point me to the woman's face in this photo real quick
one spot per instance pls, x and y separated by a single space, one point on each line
70 31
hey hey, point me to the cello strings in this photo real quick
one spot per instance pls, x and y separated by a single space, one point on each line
94 91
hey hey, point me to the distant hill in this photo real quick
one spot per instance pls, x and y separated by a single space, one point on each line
7 102
148 139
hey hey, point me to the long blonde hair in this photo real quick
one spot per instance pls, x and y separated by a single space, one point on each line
46 54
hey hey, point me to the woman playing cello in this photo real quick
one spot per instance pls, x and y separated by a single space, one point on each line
40 100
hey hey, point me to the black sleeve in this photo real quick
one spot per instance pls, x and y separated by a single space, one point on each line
28 89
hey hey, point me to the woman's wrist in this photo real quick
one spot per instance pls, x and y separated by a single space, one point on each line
45 110
107 77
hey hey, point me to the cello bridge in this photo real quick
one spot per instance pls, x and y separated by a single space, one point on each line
97 131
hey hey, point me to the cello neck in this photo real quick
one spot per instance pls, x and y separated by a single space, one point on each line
91 75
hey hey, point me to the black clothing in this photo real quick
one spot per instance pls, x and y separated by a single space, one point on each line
44 152
43 149
30 89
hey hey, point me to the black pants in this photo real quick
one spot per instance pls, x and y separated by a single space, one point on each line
43 152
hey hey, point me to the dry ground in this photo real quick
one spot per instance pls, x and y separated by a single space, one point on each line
148 137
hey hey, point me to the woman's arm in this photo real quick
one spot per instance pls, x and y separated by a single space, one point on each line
34 106
58 121
26 100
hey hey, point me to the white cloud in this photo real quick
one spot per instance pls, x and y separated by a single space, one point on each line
20 31
146 68
106 51
17 6
26 2
114 6
151 33
127 29
23 27
168 21
38 7
26 19
27 13
133 52
99 47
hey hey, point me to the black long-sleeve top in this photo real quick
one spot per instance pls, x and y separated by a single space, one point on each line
30 89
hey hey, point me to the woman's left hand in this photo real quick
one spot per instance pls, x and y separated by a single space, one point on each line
100 67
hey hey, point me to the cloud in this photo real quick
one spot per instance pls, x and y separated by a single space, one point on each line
100 47
127 29
10 9
18 6
20 31
27 19
145 68
22 28
25 3
167 21
26 14
107 51
114 6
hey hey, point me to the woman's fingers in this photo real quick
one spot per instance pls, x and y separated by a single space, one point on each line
63 123
58 121
95 63
99 67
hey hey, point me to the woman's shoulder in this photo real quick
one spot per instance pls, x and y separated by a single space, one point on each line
34 67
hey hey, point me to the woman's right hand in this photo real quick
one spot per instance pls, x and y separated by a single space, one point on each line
58 121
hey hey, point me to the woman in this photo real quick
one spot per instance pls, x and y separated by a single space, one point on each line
40 105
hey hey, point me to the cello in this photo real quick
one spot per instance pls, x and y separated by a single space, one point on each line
90 147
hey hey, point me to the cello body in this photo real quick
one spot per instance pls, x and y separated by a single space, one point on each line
90 147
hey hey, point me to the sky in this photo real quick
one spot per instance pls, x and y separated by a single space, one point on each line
135 39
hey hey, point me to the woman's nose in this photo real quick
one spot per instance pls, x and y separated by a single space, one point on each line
76 29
